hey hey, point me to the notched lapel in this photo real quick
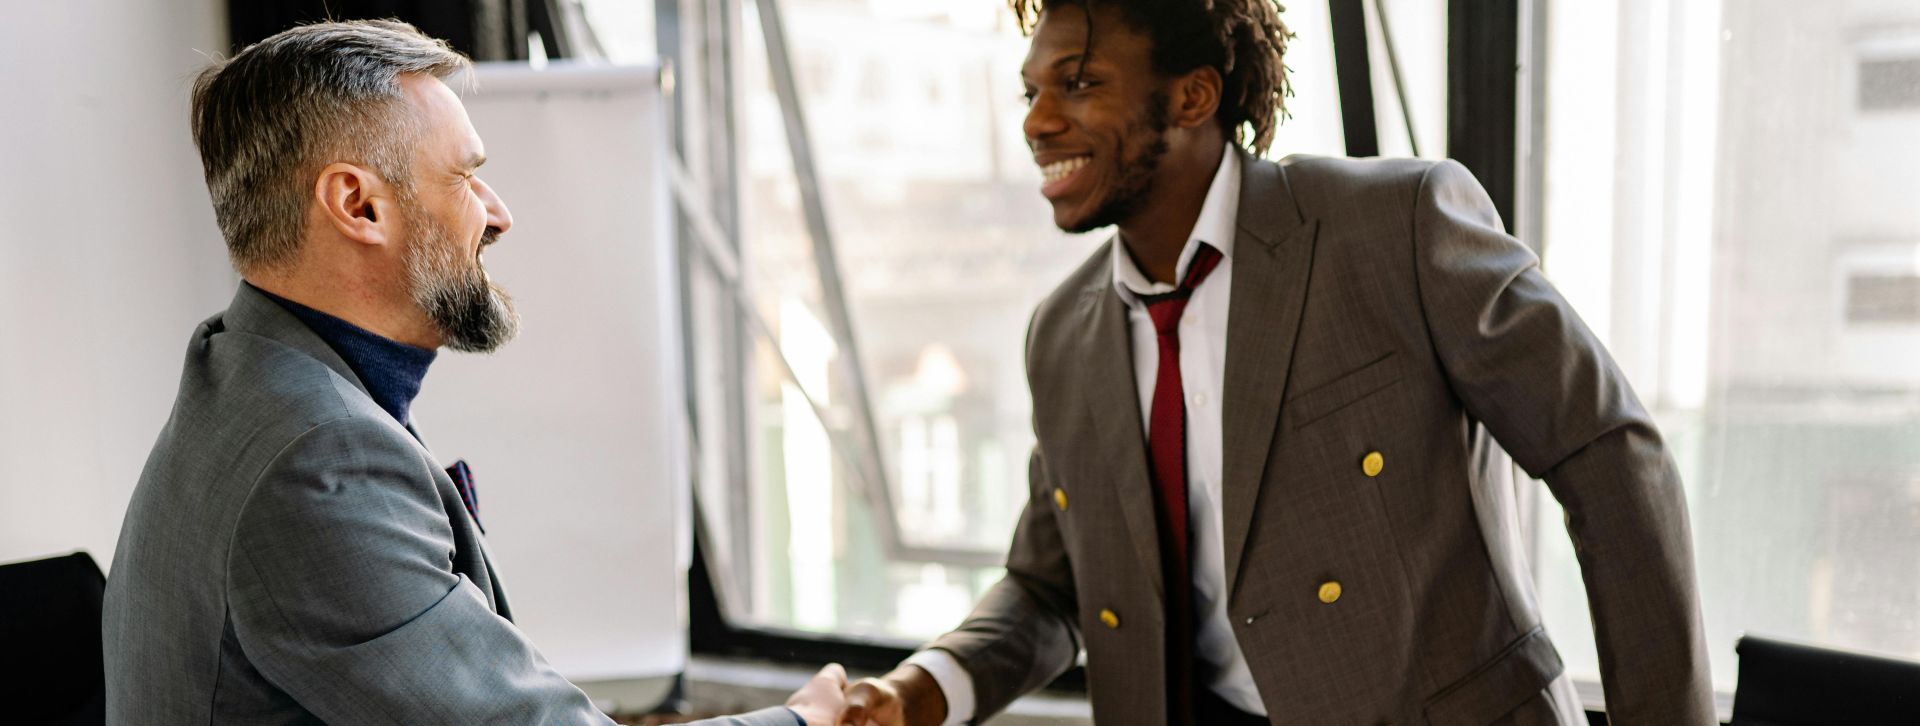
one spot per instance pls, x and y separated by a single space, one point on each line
1273 256
1113 407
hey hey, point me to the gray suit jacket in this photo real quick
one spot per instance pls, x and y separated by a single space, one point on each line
293 555
1376 306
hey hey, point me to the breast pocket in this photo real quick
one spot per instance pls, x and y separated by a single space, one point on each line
1343 391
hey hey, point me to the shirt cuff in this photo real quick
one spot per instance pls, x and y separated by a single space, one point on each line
954 681
797 718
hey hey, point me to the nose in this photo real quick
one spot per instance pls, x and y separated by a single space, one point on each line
1043 118
497 215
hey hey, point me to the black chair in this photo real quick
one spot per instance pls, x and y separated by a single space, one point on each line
50 642
1787 684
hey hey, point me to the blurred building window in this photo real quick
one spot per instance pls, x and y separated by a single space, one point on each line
1753 262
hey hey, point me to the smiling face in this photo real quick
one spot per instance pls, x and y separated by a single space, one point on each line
1097 116
453 217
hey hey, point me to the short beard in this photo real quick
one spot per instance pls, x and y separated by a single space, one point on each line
471 313
1135 185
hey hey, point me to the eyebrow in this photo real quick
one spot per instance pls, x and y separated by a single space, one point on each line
475 160
1057 62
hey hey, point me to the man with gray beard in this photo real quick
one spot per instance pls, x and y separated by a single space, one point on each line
293 554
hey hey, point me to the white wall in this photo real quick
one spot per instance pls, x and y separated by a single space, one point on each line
108 255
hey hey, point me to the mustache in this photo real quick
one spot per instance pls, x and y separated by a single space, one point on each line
489 237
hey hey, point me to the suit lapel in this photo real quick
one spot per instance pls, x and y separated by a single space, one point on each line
1273 253
253 312
495 591
1109 388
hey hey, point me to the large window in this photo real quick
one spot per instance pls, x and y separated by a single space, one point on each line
1730 203
943 246
1723 189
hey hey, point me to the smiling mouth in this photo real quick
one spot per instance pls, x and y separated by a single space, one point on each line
1058 177
1062 169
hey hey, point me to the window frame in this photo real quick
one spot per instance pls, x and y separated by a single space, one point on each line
1493 129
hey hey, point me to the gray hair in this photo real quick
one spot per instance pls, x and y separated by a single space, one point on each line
269 119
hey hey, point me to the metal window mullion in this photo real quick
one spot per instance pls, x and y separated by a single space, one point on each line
736 340
1353 76
1482 68
1529 213
833 291
1399 83
726 267
683 32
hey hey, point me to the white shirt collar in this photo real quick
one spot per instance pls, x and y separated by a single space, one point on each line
1215 226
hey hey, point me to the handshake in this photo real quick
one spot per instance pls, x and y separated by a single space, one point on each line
907 696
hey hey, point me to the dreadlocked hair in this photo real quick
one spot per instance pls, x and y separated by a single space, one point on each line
1242 39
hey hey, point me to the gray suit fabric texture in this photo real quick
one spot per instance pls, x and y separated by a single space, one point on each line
294 555
1376 307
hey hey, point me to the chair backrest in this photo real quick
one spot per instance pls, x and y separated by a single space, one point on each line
1787 684
50 642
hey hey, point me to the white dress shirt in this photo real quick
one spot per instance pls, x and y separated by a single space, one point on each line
1203 361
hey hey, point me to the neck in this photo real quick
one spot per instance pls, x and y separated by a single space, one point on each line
372 307
1157 233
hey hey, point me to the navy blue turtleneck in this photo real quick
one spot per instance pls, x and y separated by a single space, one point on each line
392 371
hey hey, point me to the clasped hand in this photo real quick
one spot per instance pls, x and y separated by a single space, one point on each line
907 696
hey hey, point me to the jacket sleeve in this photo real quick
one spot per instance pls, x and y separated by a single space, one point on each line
1524 364
341 591
1022 634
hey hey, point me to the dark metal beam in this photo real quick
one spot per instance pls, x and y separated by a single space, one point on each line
1354 74
549 19
1482 94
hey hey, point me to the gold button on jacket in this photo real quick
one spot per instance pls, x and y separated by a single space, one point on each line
1329 591
1060 498
1107 616
1373 463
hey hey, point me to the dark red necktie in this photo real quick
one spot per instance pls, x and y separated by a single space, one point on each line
1167 452
463 481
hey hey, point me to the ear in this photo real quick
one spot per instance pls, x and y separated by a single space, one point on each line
1195 97
358 204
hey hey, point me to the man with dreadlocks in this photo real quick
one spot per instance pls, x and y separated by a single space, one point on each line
1266 488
